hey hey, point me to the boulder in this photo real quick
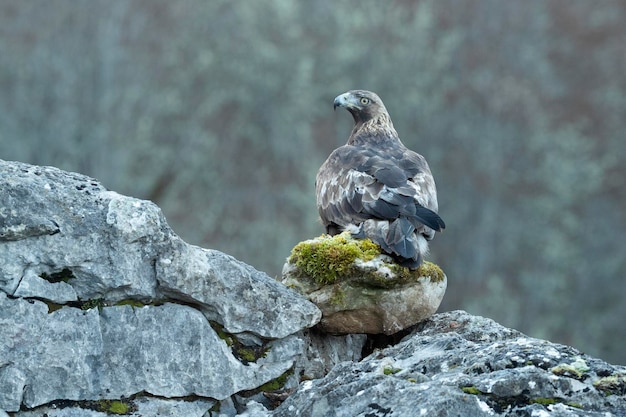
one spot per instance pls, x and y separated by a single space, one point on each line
359 289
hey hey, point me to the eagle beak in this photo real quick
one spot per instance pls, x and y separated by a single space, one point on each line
341 101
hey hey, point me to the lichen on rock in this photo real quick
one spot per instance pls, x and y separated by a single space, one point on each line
359 288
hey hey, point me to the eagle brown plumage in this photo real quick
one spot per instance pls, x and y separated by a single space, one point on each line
377 188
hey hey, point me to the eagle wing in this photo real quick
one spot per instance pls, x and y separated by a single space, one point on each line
357 184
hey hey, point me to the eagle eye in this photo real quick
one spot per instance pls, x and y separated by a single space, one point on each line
365 101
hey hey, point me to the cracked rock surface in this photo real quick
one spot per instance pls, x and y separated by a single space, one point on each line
99 299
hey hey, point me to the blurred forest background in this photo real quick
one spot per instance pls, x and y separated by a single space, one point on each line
221 113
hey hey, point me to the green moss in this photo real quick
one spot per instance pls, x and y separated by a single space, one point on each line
95 303
132 303
215 409
118 407
544 401
576 369
471 390
329 259
223 334
245 354
338 298
431 270
277 383
52 307
390 370
114 407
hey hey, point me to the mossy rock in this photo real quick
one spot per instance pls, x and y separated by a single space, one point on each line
359 289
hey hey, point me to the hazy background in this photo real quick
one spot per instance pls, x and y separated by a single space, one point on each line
221 113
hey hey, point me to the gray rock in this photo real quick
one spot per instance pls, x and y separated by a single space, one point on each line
377 310
161 407
117 247
324 351
115 352
12 384
321 352
456 364
67 242
208 277
51 352
33 286
61 412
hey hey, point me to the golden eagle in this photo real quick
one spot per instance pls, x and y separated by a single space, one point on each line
375 187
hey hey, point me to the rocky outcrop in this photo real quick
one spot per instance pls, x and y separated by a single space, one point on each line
104 310
99 299
65 238
456 364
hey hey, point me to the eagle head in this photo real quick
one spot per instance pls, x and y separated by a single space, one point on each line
363 105
371 119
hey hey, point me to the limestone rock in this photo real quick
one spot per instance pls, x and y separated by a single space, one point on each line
360 290
324 351
117 247
33 286
99 299
258 303
455 364
115 352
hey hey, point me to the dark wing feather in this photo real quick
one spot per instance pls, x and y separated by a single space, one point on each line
429 218
358 183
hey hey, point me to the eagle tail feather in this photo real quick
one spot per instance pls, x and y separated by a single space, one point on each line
429 218
397 238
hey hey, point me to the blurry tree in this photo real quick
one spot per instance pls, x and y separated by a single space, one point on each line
220 112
